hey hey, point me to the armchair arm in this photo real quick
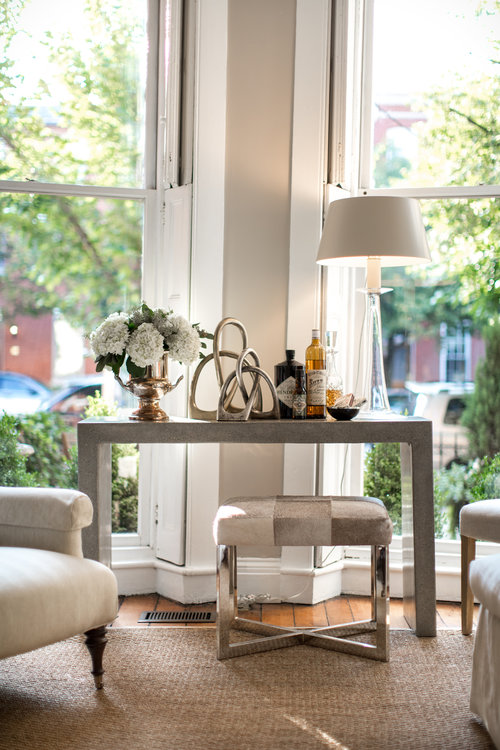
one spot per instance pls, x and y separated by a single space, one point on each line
44 518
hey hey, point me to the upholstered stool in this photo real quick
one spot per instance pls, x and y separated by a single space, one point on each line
302 521
485 684
479 520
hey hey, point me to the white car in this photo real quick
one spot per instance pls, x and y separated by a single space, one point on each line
444 403
20 394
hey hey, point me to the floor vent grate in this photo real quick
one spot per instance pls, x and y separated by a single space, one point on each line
177 617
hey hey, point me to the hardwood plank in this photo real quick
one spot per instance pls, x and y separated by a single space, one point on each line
360 607
450 615
333 611
310 615
278 614
397 618
168 605
131 608
338 611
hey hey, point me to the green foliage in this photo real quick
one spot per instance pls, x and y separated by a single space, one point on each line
460 485
47 466
125 491
453 487
98 407
390 166
13 471
76 254
482 412
383 479
487 478
452 490
43 431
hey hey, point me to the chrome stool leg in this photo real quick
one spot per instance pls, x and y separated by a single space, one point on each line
381 583
226 557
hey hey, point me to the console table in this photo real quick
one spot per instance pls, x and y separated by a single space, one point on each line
97 434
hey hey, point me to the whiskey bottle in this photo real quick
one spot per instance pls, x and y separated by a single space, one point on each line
284 380
299 404
334 385
316 378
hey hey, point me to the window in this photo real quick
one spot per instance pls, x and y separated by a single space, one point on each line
75 92
431 135
433 79
80 146
411 114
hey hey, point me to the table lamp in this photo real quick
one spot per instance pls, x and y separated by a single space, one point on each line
376 231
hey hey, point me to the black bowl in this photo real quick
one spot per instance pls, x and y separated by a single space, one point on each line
343 413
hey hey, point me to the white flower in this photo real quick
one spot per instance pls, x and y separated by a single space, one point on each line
163 323
145 345
184 341
111 336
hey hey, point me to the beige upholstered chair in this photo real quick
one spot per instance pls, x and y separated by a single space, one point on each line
485 683
302 521
48 591
479 520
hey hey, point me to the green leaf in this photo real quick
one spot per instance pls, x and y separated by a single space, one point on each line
134 370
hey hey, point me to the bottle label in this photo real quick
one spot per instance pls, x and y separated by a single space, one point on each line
316 387
299 406
285 391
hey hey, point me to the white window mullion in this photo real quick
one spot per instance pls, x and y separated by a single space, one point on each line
154 78
365 39
436 193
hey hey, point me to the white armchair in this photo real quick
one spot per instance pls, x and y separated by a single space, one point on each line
48 591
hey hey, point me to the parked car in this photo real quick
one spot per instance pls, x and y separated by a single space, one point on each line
402 400
20 394
444 404
72 400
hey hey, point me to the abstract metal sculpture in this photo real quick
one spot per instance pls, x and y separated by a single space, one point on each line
247 361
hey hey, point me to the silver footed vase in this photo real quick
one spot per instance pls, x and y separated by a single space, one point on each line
149 390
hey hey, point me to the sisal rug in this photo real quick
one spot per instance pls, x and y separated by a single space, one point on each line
165 690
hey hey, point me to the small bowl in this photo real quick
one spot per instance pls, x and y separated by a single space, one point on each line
343 413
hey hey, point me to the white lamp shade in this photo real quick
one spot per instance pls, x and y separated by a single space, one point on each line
385 227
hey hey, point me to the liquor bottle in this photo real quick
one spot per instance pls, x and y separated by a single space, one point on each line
334 385
284 380
299 404
316 378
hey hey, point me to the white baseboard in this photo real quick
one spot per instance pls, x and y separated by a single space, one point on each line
139 572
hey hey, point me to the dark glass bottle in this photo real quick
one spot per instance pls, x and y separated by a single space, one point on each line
299 403
284 380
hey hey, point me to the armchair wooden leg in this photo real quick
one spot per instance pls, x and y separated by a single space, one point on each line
96 640
468 547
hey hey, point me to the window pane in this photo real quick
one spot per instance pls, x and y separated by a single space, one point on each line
434 317
65 264
435 89
72 91
78 256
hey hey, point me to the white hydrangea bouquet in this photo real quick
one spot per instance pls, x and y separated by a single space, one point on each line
141 337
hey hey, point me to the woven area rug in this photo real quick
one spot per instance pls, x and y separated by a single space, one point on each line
165 689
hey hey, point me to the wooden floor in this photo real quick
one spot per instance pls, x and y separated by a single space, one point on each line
331 612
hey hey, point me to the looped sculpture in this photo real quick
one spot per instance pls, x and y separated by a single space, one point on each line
246 362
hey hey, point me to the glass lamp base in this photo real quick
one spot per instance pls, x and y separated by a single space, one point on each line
379 414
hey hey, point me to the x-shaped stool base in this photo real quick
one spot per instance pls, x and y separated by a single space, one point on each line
333 637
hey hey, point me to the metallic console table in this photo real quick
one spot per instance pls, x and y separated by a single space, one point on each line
414 434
